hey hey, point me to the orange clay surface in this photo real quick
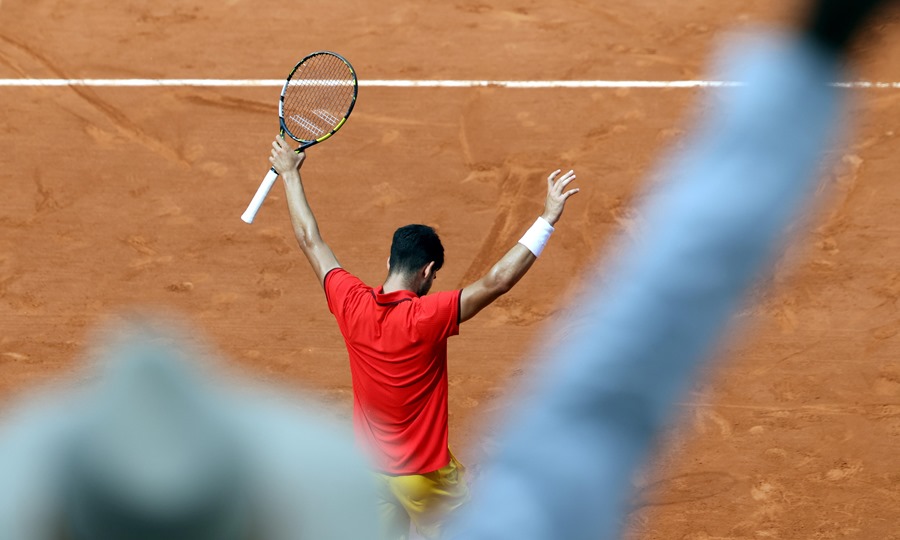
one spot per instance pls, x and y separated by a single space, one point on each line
115 198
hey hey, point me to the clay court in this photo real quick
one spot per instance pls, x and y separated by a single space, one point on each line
116 198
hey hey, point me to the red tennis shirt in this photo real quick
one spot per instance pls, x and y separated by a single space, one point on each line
397 343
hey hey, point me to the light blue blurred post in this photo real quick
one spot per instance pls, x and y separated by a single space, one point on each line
588 417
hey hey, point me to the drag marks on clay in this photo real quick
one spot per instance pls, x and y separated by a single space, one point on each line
840 222
141 265
129 129
472 391
477 8
889 290
788 355
11 63
379 119
514 183
513 210
464 146
272 277
100 136
16 357
276 239
14 290
703 417
17 223
148 257
228 103
887 411
845 180
141 245
170 210
785 315
180 287
119 119
887 384
512 311
885 331
611 17
385 195
802 469
842 470
628 219
269 283
770 499
514 16
390 136
214 169
154 17
599 207
270 293
25 301
685 488
9 275
595 216
45 199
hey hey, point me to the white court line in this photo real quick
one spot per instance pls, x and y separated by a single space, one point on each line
406 83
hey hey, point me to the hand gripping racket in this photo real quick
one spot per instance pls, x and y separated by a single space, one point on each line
316 100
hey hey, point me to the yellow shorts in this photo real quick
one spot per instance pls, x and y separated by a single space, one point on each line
423 499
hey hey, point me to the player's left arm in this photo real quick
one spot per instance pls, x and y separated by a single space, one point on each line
518 260
319 254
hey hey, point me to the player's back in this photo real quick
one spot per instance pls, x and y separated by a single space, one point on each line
397 347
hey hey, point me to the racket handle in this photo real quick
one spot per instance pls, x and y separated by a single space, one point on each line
260 196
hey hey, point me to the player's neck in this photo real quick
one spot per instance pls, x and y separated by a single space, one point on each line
397 282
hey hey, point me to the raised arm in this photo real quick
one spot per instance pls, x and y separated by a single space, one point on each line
510 269
306 229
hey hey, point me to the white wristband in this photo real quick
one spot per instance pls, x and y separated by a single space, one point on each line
535 239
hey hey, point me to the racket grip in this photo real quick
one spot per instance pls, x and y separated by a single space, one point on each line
257 201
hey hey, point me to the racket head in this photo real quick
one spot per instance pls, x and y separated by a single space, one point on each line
317 98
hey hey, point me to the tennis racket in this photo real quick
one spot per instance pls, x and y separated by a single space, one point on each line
317 98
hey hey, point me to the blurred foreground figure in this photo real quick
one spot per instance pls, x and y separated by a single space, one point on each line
158 447
629 351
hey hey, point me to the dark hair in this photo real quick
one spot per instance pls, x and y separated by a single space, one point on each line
413 247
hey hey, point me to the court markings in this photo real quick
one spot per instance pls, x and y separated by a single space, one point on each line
229 83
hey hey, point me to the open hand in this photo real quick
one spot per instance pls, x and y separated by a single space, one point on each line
557 195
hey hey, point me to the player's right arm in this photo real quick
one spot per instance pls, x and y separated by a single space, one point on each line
512 266
306 229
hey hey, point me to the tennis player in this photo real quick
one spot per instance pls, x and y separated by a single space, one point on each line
396 337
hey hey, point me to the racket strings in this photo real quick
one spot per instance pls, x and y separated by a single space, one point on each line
318 97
